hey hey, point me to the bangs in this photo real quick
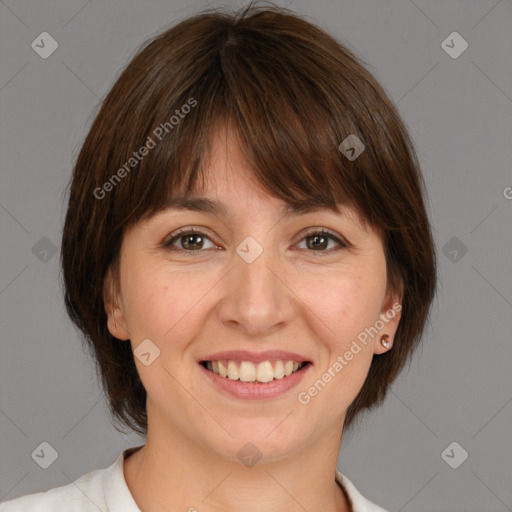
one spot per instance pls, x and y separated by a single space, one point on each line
288 126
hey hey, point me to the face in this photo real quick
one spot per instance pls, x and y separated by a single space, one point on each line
252 291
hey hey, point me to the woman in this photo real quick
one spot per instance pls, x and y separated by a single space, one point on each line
247 252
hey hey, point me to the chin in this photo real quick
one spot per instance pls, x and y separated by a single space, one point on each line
265 439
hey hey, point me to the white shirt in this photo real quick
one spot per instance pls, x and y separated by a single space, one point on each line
106 490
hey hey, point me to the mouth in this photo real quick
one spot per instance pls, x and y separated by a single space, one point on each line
261 372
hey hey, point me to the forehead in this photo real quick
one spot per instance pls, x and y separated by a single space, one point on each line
230 186
219 208
228 178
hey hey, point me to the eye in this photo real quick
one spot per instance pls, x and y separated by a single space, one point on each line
190 239
319 239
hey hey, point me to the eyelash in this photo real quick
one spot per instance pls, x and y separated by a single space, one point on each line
167 243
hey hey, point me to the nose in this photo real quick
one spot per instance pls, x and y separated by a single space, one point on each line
257 297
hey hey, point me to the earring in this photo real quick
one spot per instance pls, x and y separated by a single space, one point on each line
385 341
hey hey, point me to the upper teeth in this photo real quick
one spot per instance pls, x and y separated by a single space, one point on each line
246 371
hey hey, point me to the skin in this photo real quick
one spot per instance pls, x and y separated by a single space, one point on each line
289 298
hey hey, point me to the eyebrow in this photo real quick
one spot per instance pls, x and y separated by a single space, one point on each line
218 208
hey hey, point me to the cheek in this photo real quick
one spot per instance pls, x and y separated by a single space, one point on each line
160 309
347 303
152 302
167 306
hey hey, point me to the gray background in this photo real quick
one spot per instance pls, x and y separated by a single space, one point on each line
459 112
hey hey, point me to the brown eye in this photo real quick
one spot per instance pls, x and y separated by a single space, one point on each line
318 241
190 240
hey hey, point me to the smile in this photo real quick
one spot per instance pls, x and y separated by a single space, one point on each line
248 380
247 371
253 375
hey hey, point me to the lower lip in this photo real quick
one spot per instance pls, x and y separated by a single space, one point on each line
255 390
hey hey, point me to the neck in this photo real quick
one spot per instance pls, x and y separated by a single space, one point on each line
172 472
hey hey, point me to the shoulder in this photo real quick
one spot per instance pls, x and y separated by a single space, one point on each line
83 495
100 490
358 501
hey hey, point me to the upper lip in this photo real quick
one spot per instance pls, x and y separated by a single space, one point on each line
255 357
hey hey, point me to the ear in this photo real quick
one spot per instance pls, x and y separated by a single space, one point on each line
390 315
116 322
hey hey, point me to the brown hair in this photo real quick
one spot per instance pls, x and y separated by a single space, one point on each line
293 94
